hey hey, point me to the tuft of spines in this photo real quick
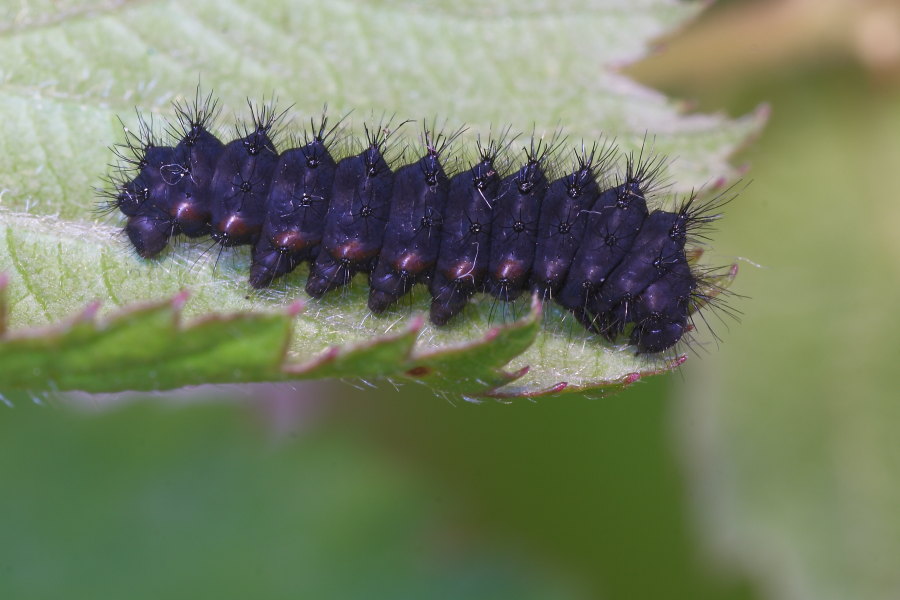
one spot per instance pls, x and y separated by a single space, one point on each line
590 166
123 188
260 132
132 152
644 171
696 215
193 118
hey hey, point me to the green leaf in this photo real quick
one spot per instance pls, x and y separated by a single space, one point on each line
70 70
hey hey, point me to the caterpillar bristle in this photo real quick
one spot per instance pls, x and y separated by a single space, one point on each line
192 117
646 170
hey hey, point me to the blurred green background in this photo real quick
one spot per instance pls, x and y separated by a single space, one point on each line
768 468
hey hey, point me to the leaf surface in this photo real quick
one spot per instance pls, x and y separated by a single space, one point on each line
72 68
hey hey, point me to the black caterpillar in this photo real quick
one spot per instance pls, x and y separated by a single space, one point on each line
595 249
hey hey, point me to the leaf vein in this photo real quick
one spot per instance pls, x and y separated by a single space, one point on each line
25 276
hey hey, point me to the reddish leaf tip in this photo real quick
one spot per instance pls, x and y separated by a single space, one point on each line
90 311
631 378
520 373
557 388
416 323
491 334
295 308
180 299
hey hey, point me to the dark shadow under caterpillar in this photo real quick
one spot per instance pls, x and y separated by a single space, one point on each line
592 247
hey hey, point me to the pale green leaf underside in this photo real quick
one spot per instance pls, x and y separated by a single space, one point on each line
68 69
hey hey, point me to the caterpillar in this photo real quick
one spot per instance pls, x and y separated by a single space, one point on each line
583 238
